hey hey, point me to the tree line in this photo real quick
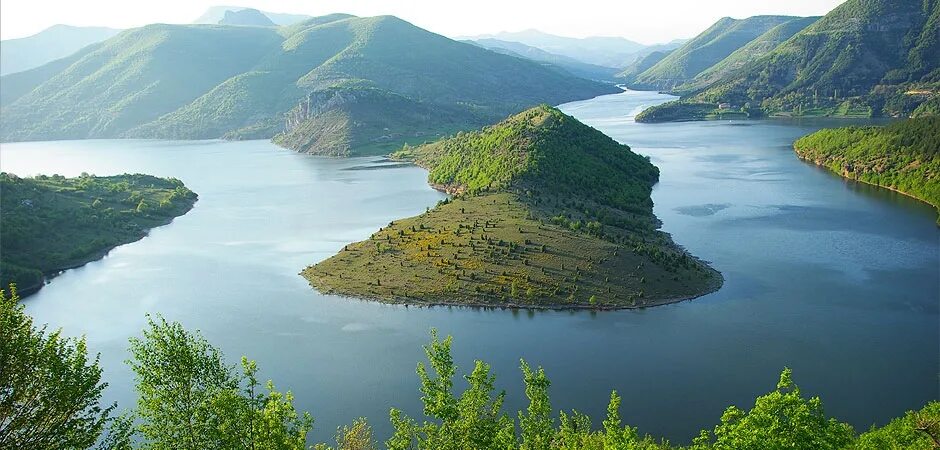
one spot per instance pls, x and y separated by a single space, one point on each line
189 398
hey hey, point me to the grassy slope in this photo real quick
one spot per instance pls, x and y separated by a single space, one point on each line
864 58
904 156
548 213
706 50
53 223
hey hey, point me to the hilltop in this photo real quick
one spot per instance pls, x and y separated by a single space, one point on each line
246 17
52 223
215 81
546 213
864 58
214 14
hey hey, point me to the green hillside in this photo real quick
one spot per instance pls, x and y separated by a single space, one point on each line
758 47
629 73
903 156
211 81
54 223
546 213
705 50
865 58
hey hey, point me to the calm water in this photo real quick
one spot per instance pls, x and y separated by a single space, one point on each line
838 281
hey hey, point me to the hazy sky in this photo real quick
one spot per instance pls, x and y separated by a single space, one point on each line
646 21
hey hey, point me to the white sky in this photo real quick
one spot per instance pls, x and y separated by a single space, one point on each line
645 21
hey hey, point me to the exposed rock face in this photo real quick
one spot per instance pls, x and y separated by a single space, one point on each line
318 102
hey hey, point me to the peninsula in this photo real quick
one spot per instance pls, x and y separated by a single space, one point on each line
546 213
903 156
53 223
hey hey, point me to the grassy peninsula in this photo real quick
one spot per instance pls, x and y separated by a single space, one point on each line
52 223
546 213
903 156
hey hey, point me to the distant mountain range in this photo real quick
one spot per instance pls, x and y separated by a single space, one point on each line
576 67
215 14
324 85
614 52
246 17
864 58
57 41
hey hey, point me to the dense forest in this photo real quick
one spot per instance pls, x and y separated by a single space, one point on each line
189 398
546 213
904 156
51 223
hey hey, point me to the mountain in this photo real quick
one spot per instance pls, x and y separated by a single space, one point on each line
865 58
903 156
246 17
52 223
216 13
629 73
57 41
601 51
704 51
547 213
211 81
581 69
755 49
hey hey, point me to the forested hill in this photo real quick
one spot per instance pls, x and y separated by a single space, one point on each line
904 156
547 213
51 223
864 58
211 81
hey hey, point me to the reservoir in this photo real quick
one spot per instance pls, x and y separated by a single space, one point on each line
836 280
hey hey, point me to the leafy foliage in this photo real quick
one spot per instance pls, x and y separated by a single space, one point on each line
51 223
49 390
190 399
782 419
903 156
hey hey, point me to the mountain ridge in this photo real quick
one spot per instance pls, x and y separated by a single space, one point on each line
212 81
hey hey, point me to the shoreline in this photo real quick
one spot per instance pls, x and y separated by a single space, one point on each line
867 183
409 301
51 274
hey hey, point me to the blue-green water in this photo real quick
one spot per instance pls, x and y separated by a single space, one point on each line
839 281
